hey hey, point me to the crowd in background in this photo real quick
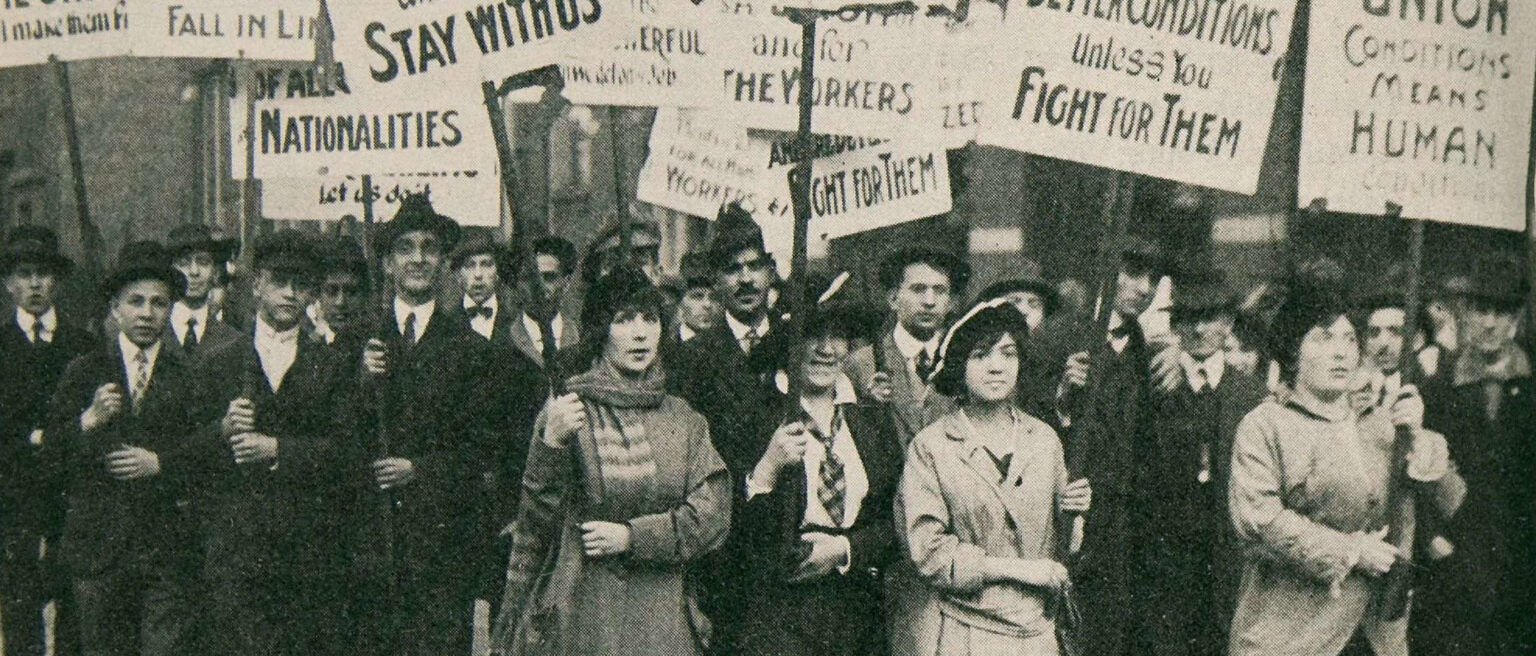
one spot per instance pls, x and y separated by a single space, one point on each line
342 455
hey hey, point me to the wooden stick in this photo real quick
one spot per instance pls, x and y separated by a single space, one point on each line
248 216
90 236
1401 500
621 204
492 94
800 199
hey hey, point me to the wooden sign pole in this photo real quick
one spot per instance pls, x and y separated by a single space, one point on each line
90 236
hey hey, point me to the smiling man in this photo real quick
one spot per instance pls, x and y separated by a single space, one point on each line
276 421
34 350
118 424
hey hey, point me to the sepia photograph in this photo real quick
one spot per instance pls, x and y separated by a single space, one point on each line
767 328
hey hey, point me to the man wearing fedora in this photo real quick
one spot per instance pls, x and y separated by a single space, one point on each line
269 470
482 266
420 540
35 348
200 258
1477 598
1187 569
118 424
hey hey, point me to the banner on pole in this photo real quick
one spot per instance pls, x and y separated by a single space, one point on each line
279 30
385 131
31 31
1181 90
656 56
1428 107
870 187
699 161
470 197
393 44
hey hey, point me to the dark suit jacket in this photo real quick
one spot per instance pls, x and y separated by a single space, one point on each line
730 389
30 488
215 335
447 417
914 403
113 523
509 327
256 520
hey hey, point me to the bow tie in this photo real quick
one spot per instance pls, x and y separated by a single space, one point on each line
1121 331
479 310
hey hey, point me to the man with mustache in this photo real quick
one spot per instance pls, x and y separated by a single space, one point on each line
34 350
1100 396
269 456
421 537
118 425
199 257
724 373
1384 340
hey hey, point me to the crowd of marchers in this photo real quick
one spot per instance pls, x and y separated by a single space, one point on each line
719 463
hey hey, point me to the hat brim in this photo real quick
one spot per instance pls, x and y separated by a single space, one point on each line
121 278
54 262
222 250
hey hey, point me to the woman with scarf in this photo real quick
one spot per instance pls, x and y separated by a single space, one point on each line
1309 489
622 493
980 500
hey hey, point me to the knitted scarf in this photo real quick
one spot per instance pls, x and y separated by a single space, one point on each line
604 385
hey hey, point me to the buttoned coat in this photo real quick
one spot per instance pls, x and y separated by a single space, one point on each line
1301 486
117 524
30 488
955 510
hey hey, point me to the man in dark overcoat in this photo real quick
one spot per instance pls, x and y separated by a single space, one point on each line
432 421
34 350
1474 594
119 424
200 258
268 480
1188 566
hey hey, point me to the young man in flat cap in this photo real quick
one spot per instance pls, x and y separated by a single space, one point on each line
119 424
340 310
1187 569
35 348
200 258
423 539
270 469
1474 594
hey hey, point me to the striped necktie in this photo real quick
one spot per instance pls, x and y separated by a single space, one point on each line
140 379
833 492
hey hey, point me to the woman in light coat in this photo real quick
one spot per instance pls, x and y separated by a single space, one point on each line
622 492
980 500
1309 493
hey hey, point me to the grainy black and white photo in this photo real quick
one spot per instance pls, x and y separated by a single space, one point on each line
767 328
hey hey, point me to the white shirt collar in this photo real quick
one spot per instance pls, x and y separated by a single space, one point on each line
1210 369
910 346
50 320
843 391
131 354
739 329
493 303
556 324
266 334
423 314
180 313
684 333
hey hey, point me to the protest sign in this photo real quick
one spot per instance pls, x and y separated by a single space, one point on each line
31 31
391 44
874 74
1176 89
381 132
656 57
278 30
470 197
870 187
1428 107
699 161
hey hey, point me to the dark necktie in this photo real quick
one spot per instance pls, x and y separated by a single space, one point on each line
548 347
834 486
190 341
1121 331
1002 464
924 365
750 340
410 329
37 332
479 311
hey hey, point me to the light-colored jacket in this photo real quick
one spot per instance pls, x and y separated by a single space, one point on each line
956 509
1303 486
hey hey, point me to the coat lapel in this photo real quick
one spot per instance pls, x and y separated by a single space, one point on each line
979 461
522 340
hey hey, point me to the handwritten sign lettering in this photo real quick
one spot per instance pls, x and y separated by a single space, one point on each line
31 31
282 30
470 197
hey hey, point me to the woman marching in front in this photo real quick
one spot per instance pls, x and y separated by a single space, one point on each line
622 492
980 500
1308 494
817 517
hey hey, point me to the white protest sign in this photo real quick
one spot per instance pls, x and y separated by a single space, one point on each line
31 31
873 74
273 80
871 187
657 57
389 44
281 30
1428 107
1176 89
470 197
382 132
699 161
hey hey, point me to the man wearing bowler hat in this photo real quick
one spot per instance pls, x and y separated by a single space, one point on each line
35 347
1187 568
119 424
421 538
278 421
200 258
